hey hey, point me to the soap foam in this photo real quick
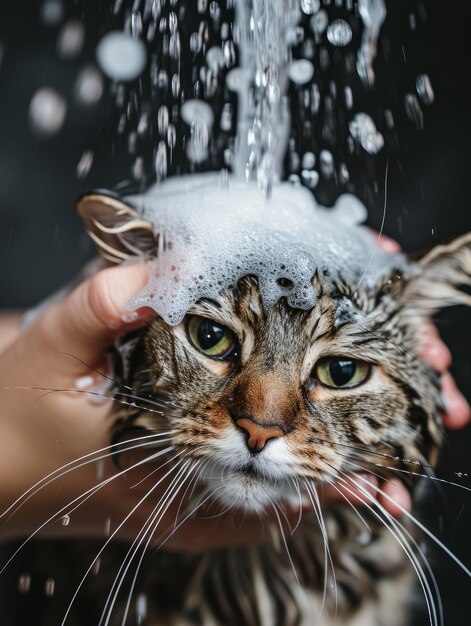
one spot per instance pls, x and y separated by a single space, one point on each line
210 237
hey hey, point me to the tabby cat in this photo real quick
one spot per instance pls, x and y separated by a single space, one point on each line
266 405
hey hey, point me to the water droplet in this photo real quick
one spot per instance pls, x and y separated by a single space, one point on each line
161 161
175 85
172 21
319 22
326 162
50 587
47 111
310 178
197 111
215 59
348 97
88 87
120 56
174 46
363 130
71 39
301 71
107 526
141 608
229 53
138 168
424 89
143 124
226 117
372 12
85 164
309 160
162 120
310 6
412 21
96 567
414 110
65 520
24 583
339 33
344 176
171 136
202 6
136 24
51 13
196 42
389 119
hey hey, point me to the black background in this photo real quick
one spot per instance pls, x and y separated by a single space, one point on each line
42 242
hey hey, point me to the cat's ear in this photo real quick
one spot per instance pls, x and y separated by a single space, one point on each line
117 229
439 276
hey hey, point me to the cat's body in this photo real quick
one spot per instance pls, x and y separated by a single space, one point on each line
263 405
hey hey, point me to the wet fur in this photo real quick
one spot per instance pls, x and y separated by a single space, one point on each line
393 418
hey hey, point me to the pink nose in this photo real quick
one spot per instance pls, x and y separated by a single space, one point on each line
258 435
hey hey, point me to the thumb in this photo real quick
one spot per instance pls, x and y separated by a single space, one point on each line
90 317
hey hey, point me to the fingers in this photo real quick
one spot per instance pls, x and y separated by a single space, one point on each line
434 352
457 413
84 323
388 244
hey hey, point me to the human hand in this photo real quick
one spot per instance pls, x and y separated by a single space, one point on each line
42 431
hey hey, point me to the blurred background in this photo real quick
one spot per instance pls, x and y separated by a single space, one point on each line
43 243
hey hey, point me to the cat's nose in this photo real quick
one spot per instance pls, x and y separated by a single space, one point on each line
258 434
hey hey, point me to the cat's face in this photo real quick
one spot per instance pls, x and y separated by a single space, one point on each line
262 400
267 400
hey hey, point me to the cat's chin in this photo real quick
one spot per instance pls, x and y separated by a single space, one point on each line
249 492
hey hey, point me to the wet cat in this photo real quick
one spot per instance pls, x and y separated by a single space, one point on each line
265 404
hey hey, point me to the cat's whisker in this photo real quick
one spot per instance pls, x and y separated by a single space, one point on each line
419 524
117 382
285 543
137 542
76 464
152 524
114 533
418 475
295 483
332 442
95 394
314 497
397 531
81 499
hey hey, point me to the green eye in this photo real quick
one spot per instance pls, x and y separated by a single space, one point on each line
341 372
212 338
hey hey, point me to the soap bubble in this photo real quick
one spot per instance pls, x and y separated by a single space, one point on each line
339 33
120 56
47 111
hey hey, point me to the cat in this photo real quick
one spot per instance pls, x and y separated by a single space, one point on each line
264 405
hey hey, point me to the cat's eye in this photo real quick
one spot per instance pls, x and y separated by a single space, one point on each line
212 338
341 372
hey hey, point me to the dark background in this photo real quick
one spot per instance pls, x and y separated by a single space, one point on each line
43 244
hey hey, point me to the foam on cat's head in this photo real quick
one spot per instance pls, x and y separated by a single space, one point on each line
211 236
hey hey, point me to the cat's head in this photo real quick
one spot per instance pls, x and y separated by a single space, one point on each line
263 400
